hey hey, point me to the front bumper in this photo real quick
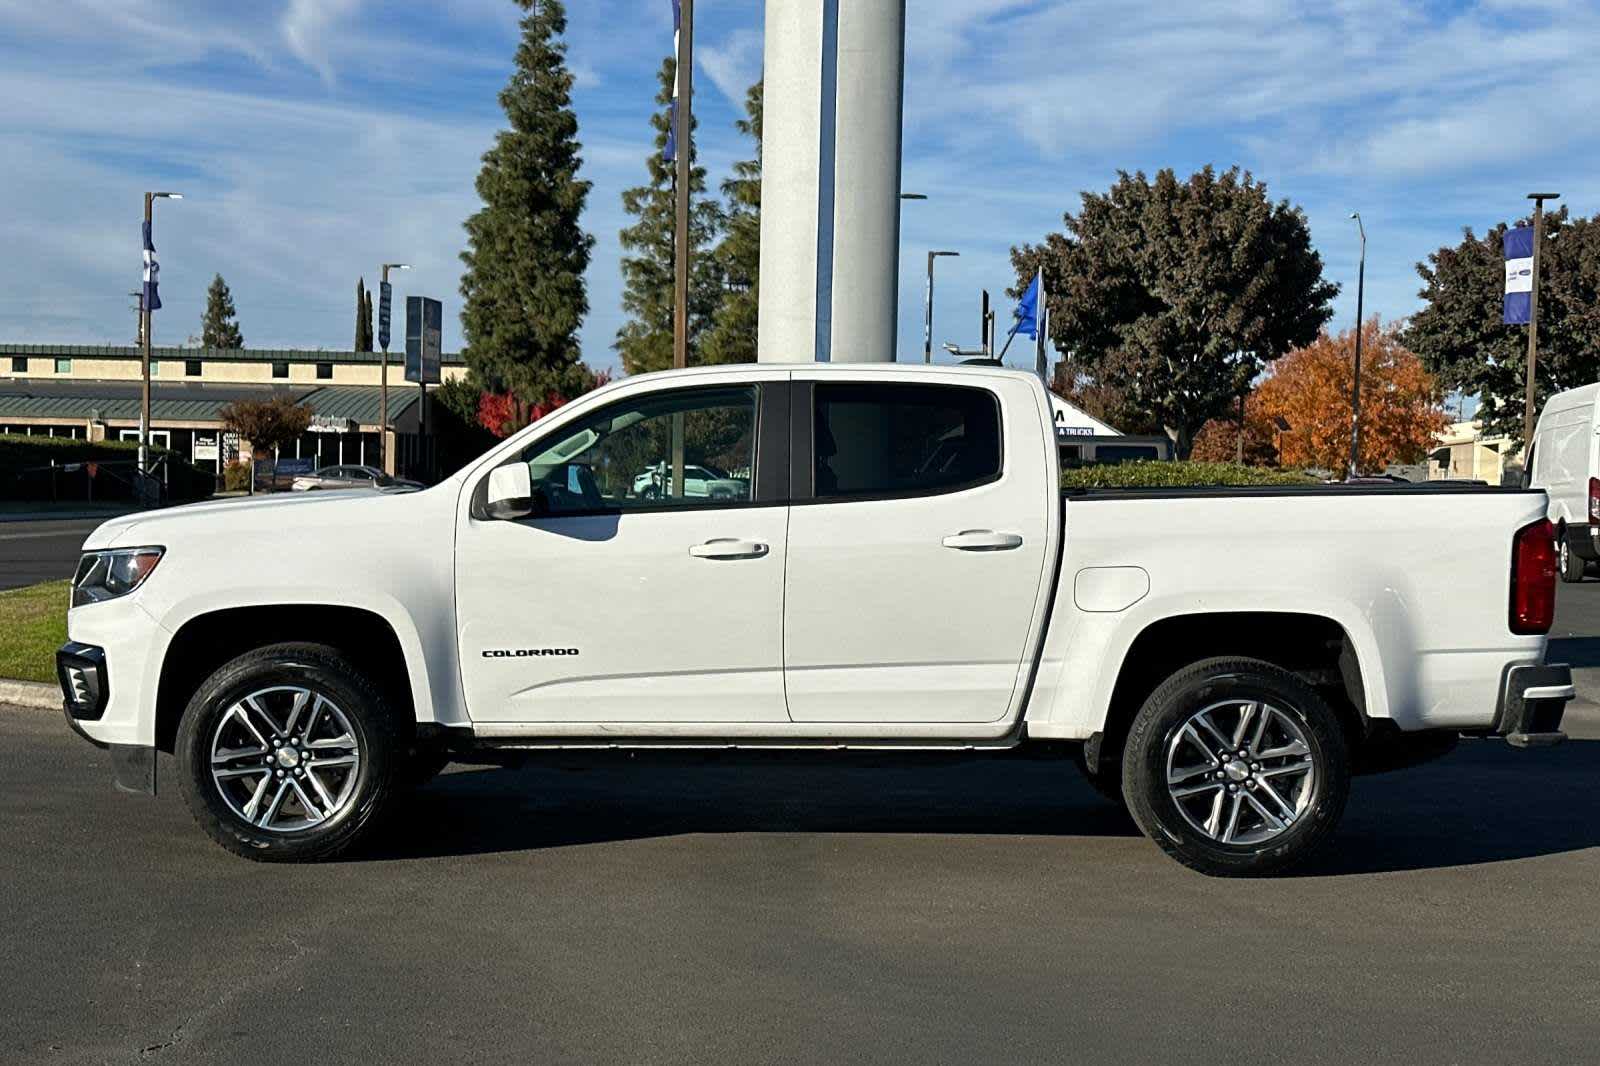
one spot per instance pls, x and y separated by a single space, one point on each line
85 689
1532 704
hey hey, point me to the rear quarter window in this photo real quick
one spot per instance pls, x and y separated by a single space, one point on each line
882 440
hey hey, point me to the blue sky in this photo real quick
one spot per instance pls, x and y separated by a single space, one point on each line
316 138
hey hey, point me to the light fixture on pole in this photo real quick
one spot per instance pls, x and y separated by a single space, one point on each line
1355 388
927 309
384 302
151 302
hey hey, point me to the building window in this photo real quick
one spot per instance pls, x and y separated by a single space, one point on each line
155 368
324 371
191 368
280 370
63 366
19 364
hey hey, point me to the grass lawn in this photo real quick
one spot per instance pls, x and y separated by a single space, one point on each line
33 624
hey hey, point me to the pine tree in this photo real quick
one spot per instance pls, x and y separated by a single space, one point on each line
645 340
219 328
526 252
363 317
732 336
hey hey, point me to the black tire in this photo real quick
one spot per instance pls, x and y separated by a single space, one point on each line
1107 780
320 670
1213 682
1571 565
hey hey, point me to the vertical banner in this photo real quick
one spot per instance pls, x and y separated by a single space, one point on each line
384 295
424 330
1519 275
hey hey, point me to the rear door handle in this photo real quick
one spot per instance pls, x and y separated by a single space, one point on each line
982 540
729 548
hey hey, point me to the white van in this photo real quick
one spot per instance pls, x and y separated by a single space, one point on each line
1565 463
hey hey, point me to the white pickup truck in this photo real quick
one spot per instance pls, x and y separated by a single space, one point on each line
900 570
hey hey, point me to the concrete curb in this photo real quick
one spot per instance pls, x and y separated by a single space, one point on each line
34 695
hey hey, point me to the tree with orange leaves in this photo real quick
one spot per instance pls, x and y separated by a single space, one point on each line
1309 388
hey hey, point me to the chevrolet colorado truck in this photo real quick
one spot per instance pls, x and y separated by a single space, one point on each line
899 570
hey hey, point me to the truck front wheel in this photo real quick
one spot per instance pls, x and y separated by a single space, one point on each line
287 754
1236 767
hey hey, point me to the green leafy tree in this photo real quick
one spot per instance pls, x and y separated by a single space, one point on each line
219 328
645 341
526 251
1175 294
363 317
732 336
1462 341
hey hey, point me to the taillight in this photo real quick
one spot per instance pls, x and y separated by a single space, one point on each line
1594 501
1533 578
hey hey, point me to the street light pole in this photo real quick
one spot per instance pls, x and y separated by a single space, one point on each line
1355 388
1538 199
144 329
383 380
684 150
927 310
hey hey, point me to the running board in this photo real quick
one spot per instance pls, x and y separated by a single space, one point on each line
741 744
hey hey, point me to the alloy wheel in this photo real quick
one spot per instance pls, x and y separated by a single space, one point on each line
1240 771
285 759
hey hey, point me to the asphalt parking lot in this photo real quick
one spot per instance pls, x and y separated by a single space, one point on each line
738 909
820 909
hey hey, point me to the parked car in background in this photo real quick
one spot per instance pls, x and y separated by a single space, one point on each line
698 481
1086 450
350 477
1564 460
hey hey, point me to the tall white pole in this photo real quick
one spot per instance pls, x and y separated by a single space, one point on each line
830 193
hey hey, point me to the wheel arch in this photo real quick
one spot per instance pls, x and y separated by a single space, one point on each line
1315 647
206 641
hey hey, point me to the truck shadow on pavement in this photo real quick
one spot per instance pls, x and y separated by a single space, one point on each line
1484 803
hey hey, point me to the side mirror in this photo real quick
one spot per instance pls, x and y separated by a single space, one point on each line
510 494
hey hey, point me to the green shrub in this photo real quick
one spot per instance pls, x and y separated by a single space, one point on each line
236 477
1154 475
25 470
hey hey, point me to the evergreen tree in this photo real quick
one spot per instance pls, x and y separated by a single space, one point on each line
219 328
526 252
363 317
732 336
645 341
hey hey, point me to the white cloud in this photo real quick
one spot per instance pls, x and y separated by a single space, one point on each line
307 26
734 64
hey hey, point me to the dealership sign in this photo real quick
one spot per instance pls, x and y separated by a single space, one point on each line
424 328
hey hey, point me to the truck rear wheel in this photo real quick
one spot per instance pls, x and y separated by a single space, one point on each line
287 754
1236 767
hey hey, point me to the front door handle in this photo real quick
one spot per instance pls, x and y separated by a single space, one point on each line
982 540
729 548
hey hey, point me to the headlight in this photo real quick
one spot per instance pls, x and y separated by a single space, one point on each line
105 575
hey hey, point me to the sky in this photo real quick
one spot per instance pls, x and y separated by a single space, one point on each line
315 139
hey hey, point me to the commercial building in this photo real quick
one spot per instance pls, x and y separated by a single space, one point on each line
93 393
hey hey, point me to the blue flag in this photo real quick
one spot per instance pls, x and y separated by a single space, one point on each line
152 273
1519 275
670 153
1029 309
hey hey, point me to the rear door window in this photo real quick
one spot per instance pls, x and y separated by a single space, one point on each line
873 441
